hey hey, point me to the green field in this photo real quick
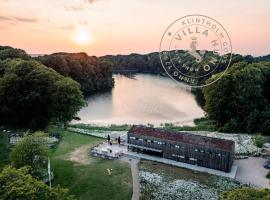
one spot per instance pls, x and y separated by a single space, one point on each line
90 181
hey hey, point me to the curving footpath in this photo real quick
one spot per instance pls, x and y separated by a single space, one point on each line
135 176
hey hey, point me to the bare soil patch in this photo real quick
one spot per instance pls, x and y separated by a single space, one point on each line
80 155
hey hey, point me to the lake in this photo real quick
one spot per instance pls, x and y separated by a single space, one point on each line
142 99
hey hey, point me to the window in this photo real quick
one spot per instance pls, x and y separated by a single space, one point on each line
157 142
174 155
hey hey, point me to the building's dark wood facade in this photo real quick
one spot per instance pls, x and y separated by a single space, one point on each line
183 147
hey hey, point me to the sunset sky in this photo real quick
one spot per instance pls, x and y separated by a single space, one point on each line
101 27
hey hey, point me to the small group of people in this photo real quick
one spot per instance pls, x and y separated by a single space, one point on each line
109 140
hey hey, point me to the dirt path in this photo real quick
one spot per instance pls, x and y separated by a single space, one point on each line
135 177
80 155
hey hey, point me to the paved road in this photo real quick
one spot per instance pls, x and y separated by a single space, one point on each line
135 177
251 171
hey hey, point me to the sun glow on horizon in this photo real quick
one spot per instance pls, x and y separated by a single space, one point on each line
83 37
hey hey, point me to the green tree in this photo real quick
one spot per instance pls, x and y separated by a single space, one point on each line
32 95
259 140
245 194
18 184
31 151
92 73
239 101
7 52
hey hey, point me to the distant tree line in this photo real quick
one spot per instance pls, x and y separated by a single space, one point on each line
92 73
150 63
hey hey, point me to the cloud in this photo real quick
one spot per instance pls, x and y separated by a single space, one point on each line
67 27
74 8
18 19
23 19
3 18
84 22
91 1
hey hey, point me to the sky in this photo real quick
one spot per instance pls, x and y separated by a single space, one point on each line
101 27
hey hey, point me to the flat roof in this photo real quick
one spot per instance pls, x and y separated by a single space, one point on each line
203 141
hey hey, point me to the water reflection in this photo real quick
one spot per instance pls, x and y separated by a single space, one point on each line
142 99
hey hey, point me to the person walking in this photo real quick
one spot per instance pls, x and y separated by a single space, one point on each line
108 138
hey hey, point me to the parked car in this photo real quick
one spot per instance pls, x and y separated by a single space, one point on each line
266 151
267 164
266 145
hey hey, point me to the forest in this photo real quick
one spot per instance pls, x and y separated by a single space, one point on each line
92 73
37 92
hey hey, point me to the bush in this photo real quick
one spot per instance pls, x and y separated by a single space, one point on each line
245 194
268 175
18 184
259 140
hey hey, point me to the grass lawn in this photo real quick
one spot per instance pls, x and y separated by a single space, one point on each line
90 181
4 149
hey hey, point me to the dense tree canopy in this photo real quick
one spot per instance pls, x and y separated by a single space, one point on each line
31 151
240 100
245 194
92 73
32 95
150 63
18 184
9 52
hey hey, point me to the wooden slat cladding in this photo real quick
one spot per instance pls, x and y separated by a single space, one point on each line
188 151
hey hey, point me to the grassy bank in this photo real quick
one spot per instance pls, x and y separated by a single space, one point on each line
111 127
89 181
201 124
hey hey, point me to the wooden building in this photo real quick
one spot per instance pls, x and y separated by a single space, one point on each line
194 149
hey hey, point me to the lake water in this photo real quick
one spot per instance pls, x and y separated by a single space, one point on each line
142 99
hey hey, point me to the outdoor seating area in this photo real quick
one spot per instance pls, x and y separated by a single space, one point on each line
109 150
114 148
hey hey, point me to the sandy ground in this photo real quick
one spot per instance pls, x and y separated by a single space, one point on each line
80 155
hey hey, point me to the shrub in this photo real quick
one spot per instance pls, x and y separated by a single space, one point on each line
259 140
